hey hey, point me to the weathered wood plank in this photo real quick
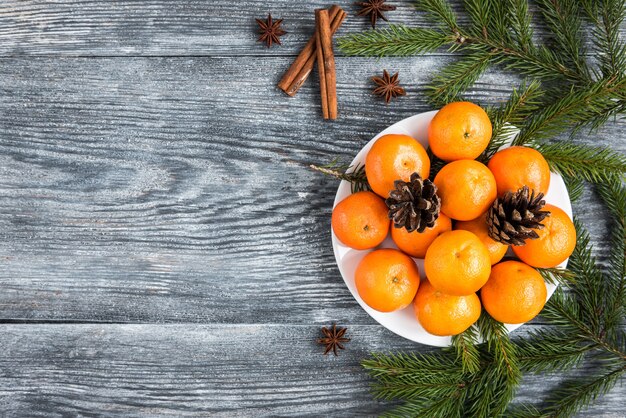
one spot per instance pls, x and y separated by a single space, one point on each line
149 189
184 370
168 27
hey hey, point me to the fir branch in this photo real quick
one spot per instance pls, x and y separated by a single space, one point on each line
520 25
513 113
432 367
590 278
564 20
551 351
479 12
412 390
356 177
590 105
394 41
593 164
563 311
496 387
439 12
538 62
448 85
524 410
443 407
490 394
557 275
613 193
499 344
576 394
500 23
465 345
607 16
575 187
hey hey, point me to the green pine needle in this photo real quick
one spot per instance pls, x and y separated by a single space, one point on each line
513 113
448 85
564 19
607 16
465 345
614 193
575 187
557 275
521 25
594 164
480 12
590 105
439 12
354 175
500 346
394 41
574 395
551 351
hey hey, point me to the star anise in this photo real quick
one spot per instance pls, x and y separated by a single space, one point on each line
388 86
270 31
333 339
375 9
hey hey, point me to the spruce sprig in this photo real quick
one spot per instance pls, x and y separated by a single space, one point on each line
564 20
506 118
593 164
452 81
465 346
395 40
354 175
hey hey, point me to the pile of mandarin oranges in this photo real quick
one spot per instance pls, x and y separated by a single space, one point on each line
466 270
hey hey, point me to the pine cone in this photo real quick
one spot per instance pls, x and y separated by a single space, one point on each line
513 218
414 205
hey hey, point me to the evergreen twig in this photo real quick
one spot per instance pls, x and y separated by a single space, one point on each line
563 18
394 41
513 113
456 77
465 345
573 395
594 164
354 175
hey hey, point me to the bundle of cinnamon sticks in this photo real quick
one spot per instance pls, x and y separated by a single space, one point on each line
320 48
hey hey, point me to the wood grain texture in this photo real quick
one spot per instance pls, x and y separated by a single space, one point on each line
174 27
195 370
149 189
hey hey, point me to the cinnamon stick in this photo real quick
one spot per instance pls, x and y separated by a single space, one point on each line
326 64
302 66
320 63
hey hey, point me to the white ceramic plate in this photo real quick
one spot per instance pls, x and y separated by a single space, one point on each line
403 322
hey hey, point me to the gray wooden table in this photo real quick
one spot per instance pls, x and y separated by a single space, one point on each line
164 248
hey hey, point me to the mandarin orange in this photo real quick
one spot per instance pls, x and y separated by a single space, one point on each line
394 157
467 189
555 244
360 221
515 167
457 263
514 293
416 243
387 280
443 314
479 228
459 131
